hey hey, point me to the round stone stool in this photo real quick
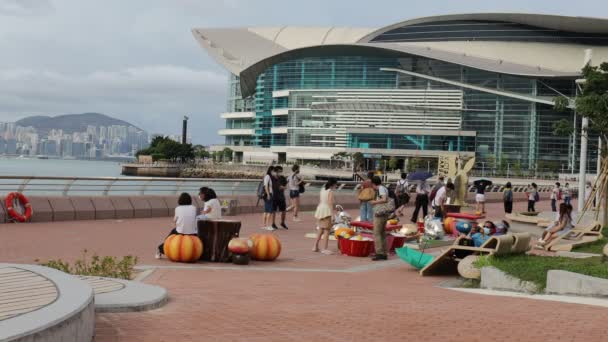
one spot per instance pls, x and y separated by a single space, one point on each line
467 270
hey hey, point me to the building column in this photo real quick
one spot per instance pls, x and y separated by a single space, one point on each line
532 132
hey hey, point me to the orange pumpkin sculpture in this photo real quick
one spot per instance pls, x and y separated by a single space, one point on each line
266 247
183 248
449 224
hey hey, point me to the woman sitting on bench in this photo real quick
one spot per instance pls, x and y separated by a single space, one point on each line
562 226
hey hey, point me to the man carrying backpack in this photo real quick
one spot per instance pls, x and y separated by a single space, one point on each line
402 191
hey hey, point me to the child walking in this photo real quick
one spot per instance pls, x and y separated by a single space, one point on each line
324 214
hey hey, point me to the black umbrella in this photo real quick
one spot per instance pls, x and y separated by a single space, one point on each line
419 176
482 182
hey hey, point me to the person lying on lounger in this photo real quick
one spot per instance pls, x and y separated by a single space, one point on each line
479 235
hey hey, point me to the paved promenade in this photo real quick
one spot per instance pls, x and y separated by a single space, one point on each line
303 296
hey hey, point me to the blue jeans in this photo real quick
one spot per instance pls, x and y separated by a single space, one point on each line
567 200
367 214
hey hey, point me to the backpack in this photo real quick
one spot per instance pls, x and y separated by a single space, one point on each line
559 195
401 188
536 197
433 194
261 192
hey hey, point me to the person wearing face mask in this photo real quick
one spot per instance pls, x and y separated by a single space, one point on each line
482 234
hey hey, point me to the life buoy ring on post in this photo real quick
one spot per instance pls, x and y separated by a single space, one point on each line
21 200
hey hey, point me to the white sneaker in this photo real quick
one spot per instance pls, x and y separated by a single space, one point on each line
158 255
297 219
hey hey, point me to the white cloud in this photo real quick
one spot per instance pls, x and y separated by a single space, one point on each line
143 95
25 7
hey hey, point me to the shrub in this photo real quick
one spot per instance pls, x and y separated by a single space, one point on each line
107 266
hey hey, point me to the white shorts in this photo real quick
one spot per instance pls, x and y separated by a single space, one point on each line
480 198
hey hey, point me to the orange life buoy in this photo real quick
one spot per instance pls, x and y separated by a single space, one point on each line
23 201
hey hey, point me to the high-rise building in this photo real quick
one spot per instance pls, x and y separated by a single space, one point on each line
478 85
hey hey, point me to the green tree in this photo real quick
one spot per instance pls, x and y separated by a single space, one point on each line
227 154
357 158
200 152
414 164
392 163
165 148
593 104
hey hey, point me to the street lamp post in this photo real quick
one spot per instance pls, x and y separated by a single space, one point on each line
483 169
508 169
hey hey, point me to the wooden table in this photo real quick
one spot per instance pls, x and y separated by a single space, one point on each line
215 235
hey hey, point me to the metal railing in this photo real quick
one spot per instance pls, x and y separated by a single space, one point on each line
103 186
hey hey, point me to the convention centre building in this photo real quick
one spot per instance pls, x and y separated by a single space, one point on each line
480 85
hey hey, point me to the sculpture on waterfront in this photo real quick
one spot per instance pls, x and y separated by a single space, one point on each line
450 166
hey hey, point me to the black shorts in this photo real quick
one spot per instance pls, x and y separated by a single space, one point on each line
279 204
294 193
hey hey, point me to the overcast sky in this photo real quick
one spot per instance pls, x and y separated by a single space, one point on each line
137 60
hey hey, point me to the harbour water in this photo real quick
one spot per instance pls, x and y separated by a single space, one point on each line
12 166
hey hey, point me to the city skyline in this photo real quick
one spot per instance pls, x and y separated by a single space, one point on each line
96 142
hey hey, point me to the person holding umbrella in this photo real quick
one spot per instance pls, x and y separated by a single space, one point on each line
480 196
422 193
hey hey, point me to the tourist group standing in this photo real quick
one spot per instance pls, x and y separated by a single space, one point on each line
272 191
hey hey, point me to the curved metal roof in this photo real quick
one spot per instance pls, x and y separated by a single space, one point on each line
249 75
247 52
555 22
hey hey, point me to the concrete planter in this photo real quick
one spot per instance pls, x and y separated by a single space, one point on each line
558 283
568 283
495 279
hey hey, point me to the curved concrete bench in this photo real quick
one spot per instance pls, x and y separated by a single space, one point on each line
69 316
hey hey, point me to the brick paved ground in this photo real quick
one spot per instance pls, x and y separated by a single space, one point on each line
302 296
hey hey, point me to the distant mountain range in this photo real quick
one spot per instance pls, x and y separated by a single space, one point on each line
70 123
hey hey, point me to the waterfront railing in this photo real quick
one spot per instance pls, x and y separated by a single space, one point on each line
104 186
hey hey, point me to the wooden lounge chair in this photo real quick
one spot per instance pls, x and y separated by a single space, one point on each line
582 234
448 260
521 243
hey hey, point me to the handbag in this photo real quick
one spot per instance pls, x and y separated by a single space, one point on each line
301 188
366 195
385 209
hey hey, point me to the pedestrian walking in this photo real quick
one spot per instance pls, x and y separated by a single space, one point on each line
556 194
507 198
279 204
365 195
295 184
324 214
267 197
402 191
422 201
383 208
533 197
567 193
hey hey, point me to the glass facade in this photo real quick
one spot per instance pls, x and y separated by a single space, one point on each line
507 130
412 142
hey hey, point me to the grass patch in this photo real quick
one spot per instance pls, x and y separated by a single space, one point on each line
107 266
534 268
595 247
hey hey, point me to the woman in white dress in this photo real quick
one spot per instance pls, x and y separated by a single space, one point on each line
324 214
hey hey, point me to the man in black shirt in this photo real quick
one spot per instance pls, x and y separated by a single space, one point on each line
279 184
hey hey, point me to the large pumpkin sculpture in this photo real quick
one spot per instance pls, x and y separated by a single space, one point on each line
449 225
266 247
183 248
